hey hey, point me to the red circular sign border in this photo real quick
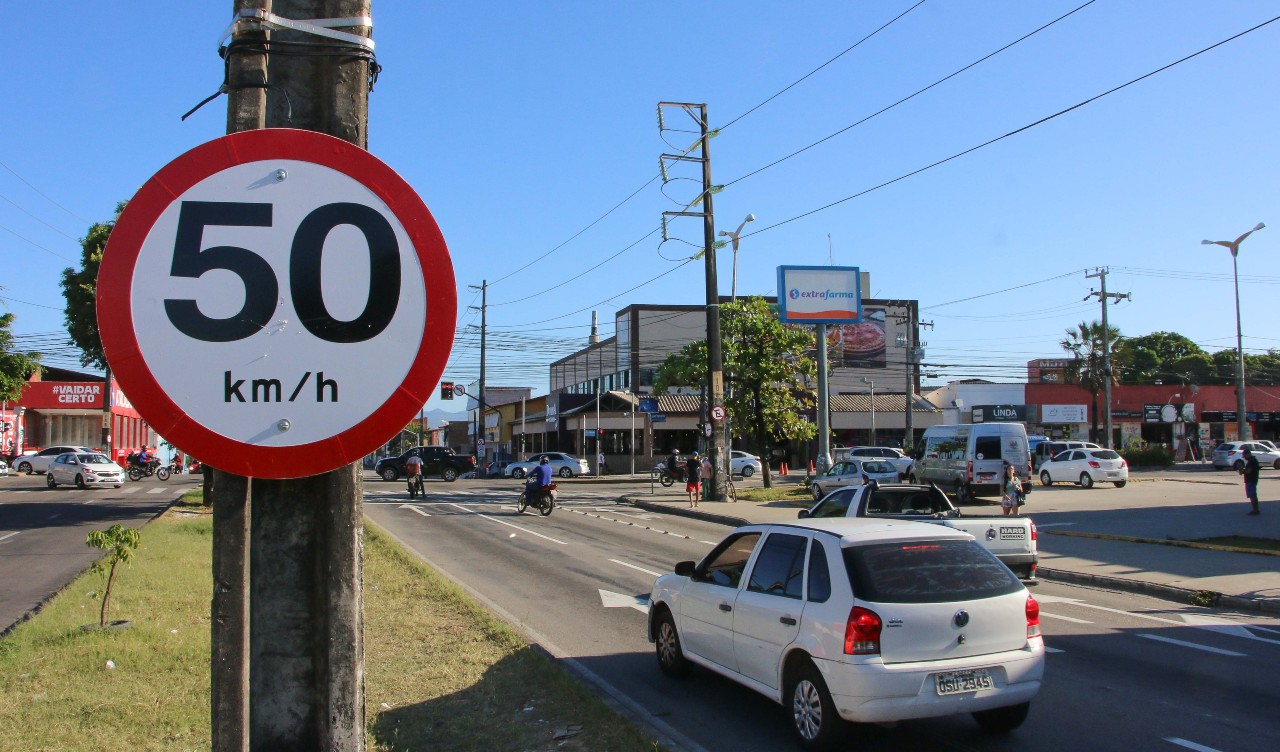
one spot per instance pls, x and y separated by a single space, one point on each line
115 315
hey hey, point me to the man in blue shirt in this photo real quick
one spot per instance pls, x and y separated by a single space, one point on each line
539 478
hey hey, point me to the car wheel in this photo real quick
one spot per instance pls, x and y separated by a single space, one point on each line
1086 480
49 481
389 473
1045 480
24 467
749 471
566 472
449 475
813 715
518 473
667 644
817 492
79 482
1239 466
1121 483
1002 720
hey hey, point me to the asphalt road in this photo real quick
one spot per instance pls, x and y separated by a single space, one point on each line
42 532
1124 672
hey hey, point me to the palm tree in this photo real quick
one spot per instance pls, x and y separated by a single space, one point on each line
1087 367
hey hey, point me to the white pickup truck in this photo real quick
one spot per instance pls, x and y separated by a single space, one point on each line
1011 539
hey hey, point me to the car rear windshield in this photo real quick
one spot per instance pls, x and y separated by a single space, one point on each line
878 466
1106 454
927 572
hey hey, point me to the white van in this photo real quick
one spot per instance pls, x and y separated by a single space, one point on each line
969 459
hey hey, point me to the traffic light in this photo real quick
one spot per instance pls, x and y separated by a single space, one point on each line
446 390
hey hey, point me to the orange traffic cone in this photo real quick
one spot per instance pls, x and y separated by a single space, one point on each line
811 467
782 468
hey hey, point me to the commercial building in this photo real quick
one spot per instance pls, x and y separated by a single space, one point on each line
65 407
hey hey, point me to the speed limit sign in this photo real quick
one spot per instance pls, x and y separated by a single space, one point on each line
277 302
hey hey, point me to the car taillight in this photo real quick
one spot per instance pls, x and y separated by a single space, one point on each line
969 471
1034 532
1094 463
862 633
1033 619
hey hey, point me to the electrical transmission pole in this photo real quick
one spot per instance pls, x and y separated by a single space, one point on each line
1103 296
715 362
481 446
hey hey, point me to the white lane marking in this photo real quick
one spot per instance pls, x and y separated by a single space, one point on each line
90 501
508 524
158 489
1048 649
131 489
1197 646
709 543
7 536
626 514
1189 745
415 508
638 569
618 600
1227 627
1065 618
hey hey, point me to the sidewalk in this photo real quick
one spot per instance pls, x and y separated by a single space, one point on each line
1225 579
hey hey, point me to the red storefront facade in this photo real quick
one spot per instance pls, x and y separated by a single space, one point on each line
69 412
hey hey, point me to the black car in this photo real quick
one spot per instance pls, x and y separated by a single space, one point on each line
436 461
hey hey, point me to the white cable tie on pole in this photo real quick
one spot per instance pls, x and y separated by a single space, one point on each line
257 19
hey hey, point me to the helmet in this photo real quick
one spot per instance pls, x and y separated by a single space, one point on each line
545 461
695 454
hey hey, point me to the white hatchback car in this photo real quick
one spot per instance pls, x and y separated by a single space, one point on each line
853 472
564 465
1084 467
863 620
84 469
746 465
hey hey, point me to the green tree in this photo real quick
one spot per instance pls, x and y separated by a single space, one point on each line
119 542
1087 367
1149 357
15 367
767 368
80 289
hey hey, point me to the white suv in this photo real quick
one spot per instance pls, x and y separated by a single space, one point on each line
871 621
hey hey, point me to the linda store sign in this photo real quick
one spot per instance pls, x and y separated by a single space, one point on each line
999 413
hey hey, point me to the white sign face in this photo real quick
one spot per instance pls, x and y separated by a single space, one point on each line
1064 413
819 294
274 301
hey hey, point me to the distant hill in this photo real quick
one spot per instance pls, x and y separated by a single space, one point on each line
438 416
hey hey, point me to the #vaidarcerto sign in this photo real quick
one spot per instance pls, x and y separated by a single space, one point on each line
819 295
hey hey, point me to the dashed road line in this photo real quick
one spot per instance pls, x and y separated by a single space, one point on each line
508 524
1188 744
1196 646
638 569
7 536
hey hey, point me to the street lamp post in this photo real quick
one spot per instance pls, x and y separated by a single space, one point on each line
733 237
865 380
1242 417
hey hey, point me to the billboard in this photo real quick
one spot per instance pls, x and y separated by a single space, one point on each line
819 295
860 345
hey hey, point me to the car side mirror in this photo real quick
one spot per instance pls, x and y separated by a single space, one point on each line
804 514
685 568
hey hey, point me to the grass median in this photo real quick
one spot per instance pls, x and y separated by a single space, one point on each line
441 673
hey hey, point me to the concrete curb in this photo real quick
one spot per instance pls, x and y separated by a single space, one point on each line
1182 595
678 511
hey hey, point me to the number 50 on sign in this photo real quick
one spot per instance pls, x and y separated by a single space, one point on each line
277 303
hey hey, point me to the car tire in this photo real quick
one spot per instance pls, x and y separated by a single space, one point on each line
1239 466
1086 480
749 471
1002 720
79 482
1121 483
24 467
817 492
813 714
449 475
49 481
667 646
566 472
389 473
1045 479
518 473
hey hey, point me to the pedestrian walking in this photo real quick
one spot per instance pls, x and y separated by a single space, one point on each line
693 479
1250 473
1012 490
601 468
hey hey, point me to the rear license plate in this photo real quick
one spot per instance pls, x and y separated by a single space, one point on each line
986 476
1007 533
959 682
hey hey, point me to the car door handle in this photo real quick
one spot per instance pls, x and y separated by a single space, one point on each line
787 620
725 607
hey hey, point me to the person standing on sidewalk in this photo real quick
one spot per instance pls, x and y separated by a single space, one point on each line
1250 472
1012 490
693 479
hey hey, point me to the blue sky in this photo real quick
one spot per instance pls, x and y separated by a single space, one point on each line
520 124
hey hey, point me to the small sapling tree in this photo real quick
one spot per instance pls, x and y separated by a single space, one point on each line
119 542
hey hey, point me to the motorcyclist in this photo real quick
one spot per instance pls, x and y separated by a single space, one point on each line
673 464
539 478
144 456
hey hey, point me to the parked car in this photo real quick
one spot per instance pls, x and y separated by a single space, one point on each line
1270 444
969 459
1084 467
564 465
1047 450
436 461
853 473
1013 540
84 469
38 463
871 621
1231 455
893 456
4 467
746 465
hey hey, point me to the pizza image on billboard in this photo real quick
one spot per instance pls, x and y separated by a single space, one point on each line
859 345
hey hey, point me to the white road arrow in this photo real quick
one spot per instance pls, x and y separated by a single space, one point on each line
618 600
415 508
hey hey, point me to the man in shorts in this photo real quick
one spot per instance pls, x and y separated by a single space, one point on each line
413 474
693 479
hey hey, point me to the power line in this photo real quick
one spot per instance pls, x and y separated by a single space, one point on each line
43 195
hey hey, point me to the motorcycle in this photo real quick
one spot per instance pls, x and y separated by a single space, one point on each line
545 501
667 477
137 470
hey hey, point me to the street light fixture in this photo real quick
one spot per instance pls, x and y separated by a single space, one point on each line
1242 417
733 237
866 380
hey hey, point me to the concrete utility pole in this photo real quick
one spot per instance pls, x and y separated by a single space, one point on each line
481 445
824 402
1101 273
715 362
287 625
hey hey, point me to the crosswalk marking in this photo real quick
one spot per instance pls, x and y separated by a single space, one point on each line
1195 645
